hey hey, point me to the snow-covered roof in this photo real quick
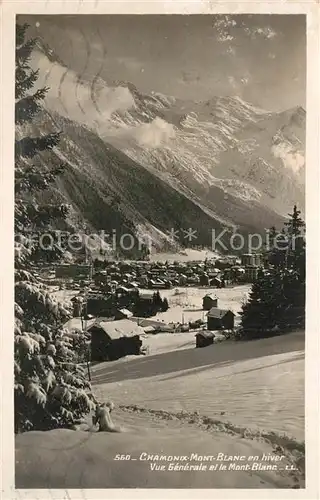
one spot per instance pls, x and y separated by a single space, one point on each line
126 312
211 296
146 295
78 324
205 334
215 312
118 329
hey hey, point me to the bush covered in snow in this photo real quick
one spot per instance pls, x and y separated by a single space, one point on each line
51 389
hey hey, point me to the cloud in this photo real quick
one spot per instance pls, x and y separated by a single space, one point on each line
130 63
188 77
83 101
232 81
236 82
93 103
292 160
155 134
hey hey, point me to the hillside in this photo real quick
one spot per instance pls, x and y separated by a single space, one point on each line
109 191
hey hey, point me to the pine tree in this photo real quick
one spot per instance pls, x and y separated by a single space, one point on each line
51 389
157 300
295 277
277 298
258 314
165 305
295 229
292 301
275 250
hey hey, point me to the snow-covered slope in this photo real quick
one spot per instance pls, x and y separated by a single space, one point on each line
242 384
234 399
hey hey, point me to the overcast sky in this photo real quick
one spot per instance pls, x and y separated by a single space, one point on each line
261 58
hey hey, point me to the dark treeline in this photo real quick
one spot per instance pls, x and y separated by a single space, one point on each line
277 298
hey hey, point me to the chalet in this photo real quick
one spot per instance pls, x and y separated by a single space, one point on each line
209 301
228 274
216 282
79 324
174 282
126 268
203 339
171 274
220 319
150 330
182 279
143 280
214 272
122 290
112 340
100 305
122 314
77 306
132 286
148 304
146 297
251 259
159 284
204 279
101 277
247 259
193 280
107 288
258 259
251 273
196 324
182 327
157 326
78 298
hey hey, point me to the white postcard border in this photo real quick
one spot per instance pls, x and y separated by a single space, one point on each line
9 8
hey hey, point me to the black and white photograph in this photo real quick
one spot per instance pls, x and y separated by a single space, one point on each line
160 251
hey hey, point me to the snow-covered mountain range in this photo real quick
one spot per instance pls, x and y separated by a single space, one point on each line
170 163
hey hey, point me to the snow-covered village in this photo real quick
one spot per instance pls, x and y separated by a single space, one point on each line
169 353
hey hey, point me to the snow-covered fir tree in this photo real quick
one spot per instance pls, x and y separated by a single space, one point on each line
51 389
277 297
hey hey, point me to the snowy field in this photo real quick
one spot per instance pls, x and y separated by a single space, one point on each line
188 255
186 302
185 306
247 397
257 385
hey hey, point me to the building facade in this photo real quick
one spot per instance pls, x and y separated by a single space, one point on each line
220 319
209 301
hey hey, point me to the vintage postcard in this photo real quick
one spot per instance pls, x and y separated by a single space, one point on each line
160 186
